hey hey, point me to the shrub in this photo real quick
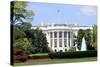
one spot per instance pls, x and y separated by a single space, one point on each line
18 51
39 56
19 56
22 58
57 55
78 54
72 49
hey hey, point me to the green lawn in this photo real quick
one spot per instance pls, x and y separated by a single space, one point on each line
56 61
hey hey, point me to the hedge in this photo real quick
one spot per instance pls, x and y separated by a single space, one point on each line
39 56
77 54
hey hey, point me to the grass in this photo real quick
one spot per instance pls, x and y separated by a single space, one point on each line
56 61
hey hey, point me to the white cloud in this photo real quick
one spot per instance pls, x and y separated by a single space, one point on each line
88 10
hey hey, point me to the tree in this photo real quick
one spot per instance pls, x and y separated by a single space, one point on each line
79 37
23 43
17 33
94 38
31 37
39 42
19 16
24 26
19 12
88 38
20 37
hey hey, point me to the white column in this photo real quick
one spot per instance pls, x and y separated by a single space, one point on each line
67 41
53 40
48 39
70 39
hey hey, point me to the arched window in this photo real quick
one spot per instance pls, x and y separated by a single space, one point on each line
60 34
50 34
65 34
55 50
60 50
65 42
65 50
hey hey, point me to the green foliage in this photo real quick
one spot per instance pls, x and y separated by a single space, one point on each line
17 33
72 49
22 43
94 34
19 12
39 42
24 26
32 41
79 37
87 34
39 56
88 39
77 54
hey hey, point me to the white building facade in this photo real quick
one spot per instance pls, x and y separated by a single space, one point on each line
60 37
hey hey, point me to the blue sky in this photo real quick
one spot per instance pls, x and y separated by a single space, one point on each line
50 13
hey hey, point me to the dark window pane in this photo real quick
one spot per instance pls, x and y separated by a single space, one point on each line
55 50
61 51
65 34
68 35
65 42
65 49
60 42
69 42
50 34
55 34
60 34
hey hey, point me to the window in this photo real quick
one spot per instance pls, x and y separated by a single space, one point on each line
60 42
60 34
65 34
55 42
65 50
69 38
55 50
50 34
65 42
68 35
55 34
60 50
69 42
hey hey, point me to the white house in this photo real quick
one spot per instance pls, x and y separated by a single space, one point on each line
60 36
